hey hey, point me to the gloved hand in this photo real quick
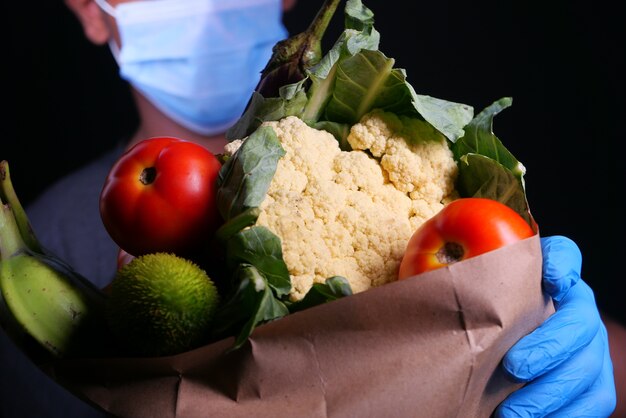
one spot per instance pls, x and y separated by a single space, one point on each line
566 360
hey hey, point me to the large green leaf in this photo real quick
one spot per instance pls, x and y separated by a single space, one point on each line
350 80
291 102
244 179
251 304
480 139
447 117
358 35
368 81
262 248
358 16
294 99
481 176
360 81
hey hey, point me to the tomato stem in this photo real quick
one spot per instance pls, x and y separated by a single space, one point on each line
148 175
450 253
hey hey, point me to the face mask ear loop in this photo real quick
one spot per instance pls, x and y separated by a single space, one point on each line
115 50
106 7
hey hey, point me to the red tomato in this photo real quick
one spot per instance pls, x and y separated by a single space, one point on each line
160 196
464 228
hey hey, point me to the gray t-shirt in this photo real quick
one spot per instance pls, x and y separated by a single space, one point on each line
66 219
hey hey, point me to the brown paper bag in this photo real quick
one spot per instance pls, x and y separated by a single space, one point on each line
429 346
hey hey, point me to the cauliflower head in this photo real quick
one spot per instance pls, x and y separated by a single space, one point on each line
351 213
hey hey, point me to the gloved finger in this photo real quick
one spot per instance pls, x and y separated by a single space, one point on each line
562 262
572 327
558 387
600 399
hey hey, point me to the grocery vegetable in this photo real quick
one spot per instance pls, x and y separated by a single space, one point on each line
486 167
42 299
325 182
349 81
348 214
160 196
465 228
161 304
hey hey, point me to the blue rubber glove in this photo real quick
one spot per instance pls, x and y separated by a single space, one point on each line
566 360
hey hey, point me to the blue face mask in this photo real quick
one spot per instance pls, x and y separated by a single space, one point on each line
197 61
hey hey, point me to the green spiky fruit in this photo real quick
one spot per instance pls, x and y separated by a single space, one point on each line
161 304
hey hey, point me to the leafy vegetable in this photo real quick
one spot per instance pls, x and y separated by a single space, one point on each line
261 284
480 139
260 280
486 167
291 101
333 92
245 178
251 304
359 35
261 248
481 176
352 79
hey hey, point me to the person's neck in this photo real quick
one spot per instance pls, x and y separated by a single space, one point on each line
153 123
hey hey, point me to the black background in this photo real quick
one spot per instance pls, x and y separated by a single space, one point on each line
561 61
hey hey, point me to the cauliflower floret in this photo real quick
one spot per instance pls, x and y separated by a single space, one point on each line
231 148
415 157
348 213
